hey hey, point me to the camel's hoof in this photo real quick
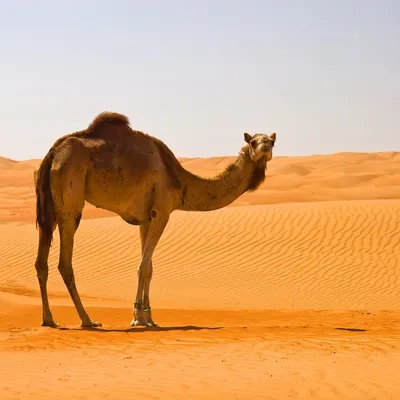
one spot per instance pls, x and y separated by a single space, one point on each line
50 324
152 324
138 322
142 322
91 324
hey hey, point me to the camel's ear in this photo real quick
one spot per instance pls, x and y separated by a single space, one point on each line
273 137
247 137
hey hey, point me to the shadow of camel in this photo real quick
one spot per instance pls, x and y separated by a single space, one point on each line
351 329
143 329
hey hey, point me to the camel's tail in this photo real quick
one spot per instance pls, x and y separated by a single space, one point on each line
45 213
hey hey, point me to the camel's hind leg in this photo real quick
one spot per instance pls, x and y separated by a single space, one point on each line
68 177
67 228
42 270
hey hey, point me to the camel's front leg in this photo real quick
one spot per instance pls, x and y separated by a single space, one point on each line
138 318
142 309
150 235
146 298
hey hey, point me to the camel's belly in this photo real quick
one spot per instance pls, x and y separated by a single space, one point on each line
125 196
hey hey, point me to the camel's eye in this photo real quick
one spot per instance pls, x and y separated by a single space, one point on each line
253 143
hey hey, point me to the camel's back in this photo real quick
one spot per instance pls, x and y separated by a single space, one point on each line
125 164
115 146
112 136
122 162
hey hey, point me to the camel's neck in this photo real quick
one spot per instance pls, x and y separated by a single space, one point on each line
199 194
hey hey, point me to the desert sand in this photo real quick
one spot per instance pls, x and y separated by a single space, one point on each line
293 291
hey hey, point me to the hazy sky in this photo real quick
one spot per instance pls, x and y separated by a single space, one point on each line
324 75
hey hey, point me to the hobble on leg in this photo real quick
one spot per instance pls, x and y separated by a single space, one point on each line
142 309
150 235
138 318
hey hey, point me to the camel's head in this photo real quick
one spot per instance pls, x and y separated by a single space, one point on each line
260 145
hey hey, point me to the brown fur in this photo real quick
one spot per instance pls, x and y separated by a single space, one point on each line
171 163
108 118
258 175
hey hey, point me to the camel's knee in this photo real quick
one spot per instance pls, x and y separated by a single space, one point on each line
145 271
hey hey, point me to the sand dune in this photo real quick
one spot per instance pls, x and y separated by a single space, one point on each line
336 255
292 292
336 177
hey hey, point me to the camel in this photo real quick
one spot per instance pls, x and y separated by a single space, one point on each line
136 176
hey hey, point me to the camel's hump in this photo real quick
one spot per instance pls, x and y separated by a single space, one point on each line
109 117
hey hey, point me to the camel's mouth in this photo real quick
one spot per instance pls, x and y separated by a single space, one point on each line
267 146
266 149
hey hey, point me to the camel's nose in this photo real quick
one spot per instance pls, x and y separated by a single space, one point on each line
266 148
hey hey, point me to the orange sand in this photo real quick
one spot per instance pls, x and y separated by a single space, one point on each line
291 292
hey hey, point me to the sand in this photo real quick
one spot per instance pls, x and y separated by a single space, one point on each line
293 291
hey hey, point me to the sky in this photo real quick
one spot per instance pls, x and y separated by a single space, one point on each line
324 75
